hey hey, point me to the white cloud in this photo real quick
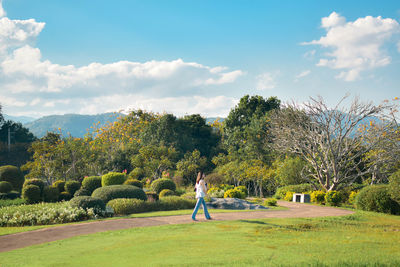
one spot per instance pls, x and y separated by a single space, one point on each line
2 11
356 46
266 81
309 54
302 74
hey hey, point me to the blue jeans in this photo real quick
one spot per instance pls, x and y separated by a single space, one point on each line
200 201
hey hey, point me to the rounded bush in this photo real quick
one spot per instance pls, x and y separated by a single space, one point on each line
394 186
190 195
298 188
333 198
91 183
136 173
5 187
113 178
216 192
175 203
242 188
151 196
376 198
234 193
60 185
87 202
31 193
125 206
163 183
12 175
166 193
82 192
108 193
289 196
270 202
50 194
35 181
72 186
317 196
134 182
13 195
64 196
352 197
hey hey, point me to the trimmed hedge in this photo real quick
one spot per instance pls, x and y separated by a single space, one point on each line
72 186
163 183
5 187
108 193
270 202
377 198
82 192
35 181
10 195
31 193
60 185
64 196
113 178
13 175
298 188
87 202
91 183
134 182
50 194
166 193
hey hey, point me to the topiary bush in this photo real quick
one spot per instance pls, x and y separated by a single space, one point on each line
91 183
5 187
136 173
12 175
10 195
113 178
87 202
72 186
175 203
82 192
108 193
190 195
394 186
64 196
31 193
317 196
163 183
125 206
377 198
134 182
166 193
234 193
270 202
333 198
60 185
151 196
35 181
50 194
289 196
299 188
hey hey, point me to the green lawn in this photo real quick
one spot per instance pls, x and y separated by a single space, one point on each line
360 239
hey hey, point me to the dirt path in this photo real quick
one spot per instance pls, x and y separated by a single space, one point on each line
25 239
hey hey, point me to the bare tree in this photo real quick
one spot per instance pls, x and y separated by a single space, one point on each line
335 141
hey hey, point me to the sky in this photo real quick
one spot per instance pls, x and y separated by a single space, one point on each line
186 57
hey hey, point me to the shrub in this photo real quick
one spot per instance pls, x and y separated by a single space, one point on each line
12 175
289 196
91 183
64 196
376 198
394 186
72 186
234 193
113 178
175 203
87 202
5 187
226 187
10 195
31 193
11 202
134 182
216 192
161 184
270 202
50 194
190 195
333 198
299 188
82 192
166 193
136 173
317 196
35 181
214 178
60 185
151 196
124 206
242 188
108 193
352 197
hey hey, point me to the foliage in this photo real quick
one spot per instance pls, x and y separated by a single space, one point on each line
166 193
31 193
301 188
82 192
10 195
288 171
214 179
216 192
190 165
110 192
175 203
35 181
289 196
394 186
5 187
13 175
88 202
242 188
151 196
137 173
134 182
352 197
190 195
377 198
270 202
72 186
163 183
50 194
113 178
317 196
234 193
43 213
91 182
64 196
60 185
11 202
333 198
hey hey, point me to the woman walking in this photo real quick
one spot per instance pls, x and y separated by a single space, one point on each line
201 191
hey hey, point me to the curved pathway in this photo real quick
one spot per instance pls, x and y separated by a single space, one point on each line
25 239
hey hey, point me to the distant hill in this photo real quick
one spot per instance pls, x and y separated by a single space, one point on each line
74 124
21 119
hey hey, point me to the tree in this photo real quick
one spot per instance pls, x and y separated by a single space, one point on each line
190 165
332 141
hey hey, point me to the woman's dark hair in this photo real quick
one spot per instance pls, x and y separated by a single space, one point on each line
200 176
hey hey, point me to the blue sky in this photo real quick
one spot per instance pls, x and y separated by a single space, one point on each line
193 56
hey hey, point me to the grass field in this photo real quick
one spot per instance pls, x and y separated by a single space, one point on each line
361 239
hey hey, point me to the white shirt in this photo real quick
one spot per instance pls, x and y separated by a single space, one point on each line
201 189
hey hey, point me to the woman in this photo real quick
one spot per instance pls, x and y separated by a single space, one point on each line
201 191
